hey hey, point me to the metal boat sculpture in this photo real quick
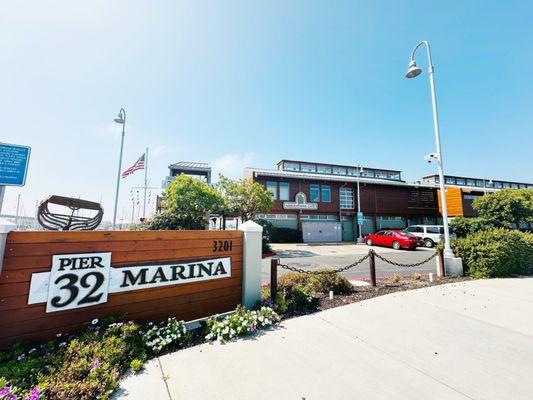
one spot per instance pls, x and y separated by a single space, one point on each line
71 221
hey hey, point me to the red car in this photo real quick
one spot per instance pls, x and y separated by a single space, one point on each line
394 238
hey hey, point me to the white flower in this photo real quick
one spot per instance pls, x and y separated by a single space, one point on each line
94 321
32 350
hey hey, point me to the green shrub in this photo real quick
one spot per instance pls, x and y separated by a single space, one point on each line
463 226
325 282
495 252
163 221
136 365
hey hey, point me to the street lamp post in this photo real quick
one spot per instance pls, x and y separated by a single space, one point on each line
120 119
412 72
359 223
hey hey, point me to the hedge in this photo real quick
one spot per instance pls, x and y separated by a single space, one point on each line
496 252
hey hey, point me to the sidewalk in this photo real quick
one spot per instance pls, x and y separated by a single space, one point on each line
469 340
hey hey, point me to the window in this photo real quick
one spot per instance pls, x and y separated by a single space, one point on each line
460 181
326 193
339 171
514 186
432 229
480 183
506 185
300 198
323 169
308 167
346 198
290 166
314 193
351 172
394 175
284 191
523 186
469 197
498 185
415 229
273 188
381 174
470 182
367 173
276 216
449 180
319 217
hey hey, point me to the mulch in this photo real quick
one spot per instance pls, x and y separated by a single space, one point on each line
383 286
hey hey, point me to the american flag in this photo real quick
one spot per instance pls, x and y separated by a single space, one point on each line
139 164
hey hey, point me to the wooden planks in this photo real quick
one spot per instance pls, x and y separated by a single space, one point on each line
30 252
454 201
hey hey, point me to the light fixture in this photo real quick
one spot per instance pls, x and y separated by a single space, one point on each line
119 119
413 71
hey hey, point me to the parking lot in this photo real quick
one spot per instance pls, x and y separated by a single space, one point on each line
309 257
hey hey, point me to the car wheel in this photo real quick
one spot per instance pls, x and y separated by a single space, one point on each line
396 245
429 243
369 242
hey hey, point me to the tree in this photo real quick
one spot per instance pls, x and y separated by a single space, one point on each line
505 207
191 200
244 197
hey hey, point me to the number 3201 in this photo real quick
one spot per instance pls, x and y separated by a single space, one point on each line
222 245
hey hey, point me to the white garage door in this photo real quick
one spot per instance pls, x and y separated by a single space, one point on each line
317 232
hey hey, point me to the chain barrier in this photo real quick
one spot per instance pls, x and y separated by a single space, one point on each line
333 271
397 264
356 263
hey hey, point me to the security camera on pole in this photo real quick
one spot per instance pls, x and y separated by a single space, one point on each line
412 72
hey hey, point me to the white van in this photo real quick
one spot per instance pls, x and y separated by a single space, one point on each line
430 234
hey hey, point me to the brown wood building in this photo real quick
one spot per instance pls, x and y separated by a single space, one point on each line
321 199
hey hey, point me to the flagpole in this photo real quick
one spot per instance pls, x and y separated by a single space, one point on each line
145 181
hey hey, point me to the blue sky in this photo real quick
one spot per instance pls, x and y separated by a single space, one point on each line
246 83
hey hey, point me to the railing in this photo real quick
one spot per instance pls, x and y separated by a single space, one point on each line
370 256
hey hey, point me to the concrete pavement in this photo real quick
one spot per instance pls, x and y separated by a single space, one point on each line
468 340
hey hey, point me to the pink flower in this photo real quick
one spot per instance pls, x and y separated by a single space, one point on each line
5 390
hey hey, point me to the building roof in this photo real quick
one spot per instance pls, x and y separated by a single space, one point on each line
191 166
337 178
436 176
337 165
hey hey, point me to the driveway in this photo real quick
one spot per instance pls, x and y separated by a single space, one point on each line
468 340
338 255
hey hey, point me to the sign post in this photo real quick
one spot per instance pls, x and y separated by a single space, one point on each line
14 160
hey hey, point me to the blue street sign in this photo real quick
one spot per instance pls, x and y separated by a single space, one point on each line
14 161
359 218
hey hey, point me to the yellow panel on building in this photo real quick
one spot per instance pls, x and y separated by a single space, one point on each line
454 201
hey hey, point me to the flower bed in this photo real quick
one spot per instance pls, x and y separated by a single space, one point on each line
89 365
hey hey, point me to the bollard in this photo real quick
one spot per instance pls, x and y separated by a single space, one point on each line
440 270
273 279
372 264
431 277
331 294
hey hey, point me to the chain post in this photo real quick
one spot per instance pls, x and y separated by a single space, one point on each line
372 264
273 278
441 271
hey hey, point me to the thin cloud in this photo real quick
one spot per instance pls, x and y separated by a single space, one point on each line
232 165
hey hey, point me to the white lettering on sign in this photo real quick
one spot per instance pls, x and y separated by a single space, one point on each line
75 280
78 280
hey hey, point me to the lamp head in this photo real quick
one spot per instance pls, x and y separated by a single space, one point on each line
413 71
119 119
